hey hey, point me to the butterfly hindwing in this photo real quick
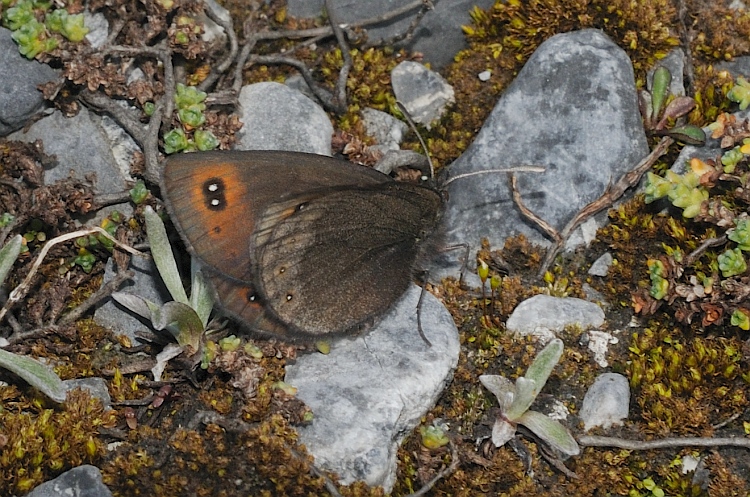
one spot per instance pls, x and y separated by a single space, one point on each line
317 257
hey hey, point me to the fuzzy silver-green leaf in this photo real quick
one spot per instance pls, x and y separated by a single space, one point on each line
201 296
161 251
551 431
35 373
8 255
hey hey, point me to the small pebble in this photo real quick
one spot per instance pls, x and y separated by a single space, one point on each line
607 402
484 75
600 267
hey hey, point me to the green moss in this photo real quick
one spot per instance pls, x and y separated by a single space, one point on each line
39 443
682 384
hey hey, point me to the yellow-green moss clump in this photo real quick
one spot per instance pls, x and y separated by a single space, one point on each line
38 443
684 385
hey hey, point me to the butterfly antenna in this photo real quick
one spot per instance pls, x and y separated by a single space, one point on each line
419 136
512 169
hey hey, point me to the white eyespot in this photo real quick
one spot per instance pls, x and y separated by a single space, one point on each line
215 202
288 297
213 187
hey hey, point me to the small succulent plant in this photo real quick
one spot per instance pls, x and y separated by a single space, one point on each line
740 93
683 190
190 111
34 37
516 398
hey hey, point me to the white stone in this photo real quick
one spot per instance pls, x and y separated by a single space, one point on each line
607 402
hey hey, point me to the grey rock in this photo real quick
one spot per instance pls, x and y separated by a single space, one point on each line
543 316
439 35
212 32
83 481
82 147
607 402
573 109
122 145
297 82
739 66
277 117
371 391
600 267
384 128
593 295
146 283
97 387
98 28
424 93
19 97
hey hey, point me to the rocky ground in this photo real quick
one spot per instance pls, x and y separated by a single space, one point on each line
598 345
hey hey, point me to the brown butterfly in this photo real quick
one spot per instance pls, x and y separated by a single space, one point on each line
299 245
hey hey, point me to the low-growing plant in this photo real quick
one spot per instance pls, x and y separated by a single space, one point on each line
190 105
34 37
185 318
664 116
713 192
516 398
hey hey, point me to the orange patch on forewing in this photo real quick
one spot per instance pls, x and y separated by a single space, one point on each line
227 215
218 223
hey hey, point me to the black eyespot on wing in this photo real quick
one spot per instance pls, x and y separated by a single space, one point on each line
214 196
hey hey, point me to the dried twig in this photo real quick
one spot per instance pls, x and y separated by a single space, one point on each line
242 58
339 97
695 254
409 33
22 289
105 291
325 97
609 197
148 137
541 223
330 485
667 443
326 31
686 39
453 466
222 66
114 31
315 34
728 420
22 335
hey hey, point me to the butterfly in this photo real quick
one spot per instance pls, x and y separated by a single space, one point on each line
298 245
